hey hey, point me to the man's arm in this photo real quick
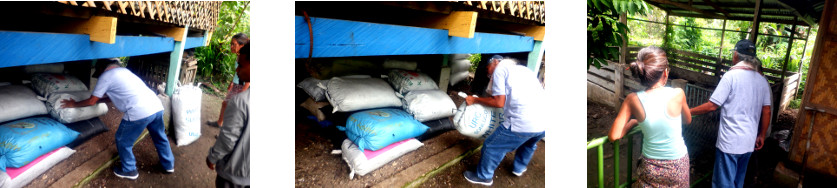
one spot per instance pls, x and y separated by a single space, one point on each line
70 103
497 101
704 108
765 122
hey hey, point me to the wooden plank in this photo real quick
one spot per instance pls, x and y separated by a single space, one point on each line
340 38
604 82
174 63
717 8
693 54
690 60
460 24
680 63
174 32
99 28
756 22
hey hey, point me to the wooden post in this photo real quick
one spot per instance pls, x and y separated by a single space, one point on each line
444 76
666 40
533 60
174 62
756 21
787 54
720 51
619 77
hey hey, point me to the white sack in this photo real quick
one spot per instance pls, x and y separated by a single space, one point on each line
72 115
477 121
428 105
186 103
352 94
360 165
35 170
458 77
54 68
405 81
398 64
46 84
18 101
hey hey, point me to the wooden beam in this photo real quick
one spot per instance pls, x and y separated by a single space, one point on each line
719 9
687 7
459 24
174 32
174 63
99 28
756 22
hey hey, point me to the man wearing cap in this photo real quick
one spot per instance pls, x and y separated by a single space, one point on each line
142 110
743 95
518 91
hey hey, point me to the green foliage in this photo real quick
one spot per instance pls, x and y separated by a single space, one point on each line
795 103
475 62
604 30
216 62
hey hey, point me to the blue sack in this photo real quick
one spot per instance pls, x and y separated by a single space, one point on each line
24 140
377 128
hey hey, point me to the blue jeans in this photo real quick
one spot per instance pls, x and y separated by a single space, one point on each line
502 141
129 131
730 169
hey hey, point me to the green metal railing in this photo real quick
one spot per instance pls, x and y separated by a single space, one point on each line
598 143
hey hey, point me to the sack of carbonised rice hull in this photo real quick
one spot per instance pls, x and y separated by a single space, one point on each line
398 64
54 68
18 101
352 94
26 139
428 105
404 81
46 84
186 103
312 87
361 162
477 121
72 115
377 128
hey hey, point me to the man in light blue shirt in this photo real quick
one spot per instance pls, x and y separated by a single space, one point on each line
142 109
518 91
743 95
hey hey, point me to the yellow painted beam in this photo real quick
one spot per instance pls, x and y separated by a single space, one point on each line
100 28
173 32
462 24
535 31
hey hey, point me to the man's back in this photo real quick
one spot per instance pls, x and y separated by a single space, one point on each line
741 94
524 97
128 93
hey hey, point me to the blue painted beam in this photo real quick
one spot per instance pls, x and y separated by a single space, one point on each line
193 42
30 48
341 38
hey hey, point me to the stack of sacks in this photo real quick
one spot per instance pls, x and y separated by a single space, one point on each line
59 87
362 162
26 139
459 68
421 96
19 177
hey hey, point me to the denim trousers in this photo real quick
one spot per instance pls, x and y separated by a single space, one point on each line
129 131
730 169
502 141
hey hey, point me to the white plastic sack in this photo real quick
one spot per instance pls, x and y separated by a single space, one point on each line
46 84
361 165
352 94
18 101
404 81
186 103
458 77
428 105
312 87
477 121
34 169
398 64
72 115
54 68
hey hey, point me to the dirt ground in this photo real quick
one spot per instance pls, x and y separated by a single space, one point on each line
760 170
